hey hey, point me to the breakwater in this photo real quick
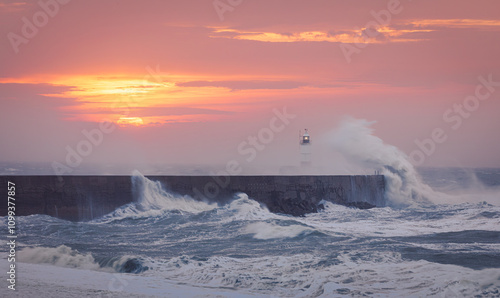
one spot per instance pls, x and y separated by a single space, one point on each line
88 197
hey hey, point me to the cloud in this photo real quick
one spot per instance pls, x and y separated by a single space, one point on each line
363 35
457 23
245 85
379 34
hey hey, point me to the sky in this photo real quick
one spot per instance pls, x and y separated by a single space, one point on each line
194 82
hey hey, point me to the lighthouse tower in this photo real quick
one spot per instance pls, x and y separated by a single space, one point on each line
305 149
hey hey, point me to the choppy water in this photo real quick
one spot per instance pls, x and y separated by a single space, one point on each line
419 250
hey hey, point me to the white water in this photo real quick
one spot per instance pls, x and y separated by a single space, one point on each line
151 199
355 139
389 222
61 256
150 195
264 230
41 280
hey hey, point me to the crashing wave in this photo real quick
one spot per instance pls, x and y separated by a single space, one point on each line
64 256
404 187
151 200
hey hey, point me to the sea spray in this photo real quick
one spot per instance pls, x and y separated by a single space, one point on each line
354 138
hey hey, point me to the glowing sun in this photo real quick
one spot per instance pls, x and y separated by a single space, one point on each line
135 121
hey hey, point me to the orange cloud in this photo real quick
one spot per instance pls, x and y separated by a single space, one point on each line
383 34
457 23
363 35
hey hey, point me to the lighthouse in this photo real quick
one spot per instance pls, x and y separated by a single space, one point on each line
305 149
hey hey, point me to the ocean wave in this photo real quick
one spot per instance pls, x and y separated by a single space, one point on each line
338 220
245 208
150 195
152 200
125 264
357 273
64 256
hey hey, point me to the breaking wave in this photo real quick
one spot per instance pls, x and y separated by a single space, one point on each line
404 187
244 208
150 195
64 256
151 199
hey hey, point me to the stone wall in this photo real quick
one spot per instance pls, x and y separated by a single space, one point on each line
87 197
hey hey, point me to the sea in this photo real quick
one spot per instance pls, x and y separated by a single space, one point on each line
166 245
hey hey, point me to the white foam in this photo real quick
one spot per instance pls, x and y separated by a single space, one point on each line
264 230
300 275
61 256
40 280
307 275
337 220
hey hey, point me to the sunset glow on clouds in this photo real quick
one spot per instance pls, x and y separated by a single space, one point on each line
459 23
381 35
165 99
165 67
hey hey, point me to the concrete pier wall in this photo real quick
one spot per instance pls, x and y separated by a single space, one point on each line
88 197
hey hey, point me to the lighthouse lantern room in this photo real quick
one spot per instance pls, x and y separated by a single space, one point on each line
305 148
